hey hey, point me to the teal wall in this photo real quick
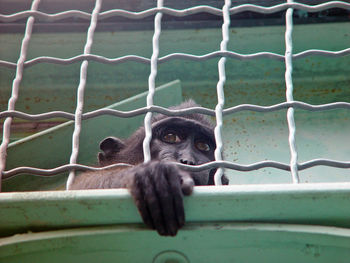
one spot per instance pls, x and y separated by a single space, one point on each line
248 136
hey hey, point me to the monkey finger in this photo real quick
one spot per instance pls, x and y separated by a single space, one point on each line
138 194
177 195
166 199
187 183
153 204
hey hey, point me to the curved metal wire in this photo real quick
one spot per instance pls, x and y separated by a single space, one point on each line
15 89
289 94
169 57
220 92
152 83
58 170
81 91
215 164
168 112
174 12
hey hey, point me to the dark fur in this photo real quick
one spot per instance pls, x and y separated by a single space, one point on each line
133 153
158 186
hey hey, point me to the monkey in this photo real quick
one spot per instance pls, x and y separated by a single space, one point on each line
158 186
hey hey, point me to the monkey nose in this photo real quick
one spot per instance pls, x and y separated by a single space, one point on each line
185 161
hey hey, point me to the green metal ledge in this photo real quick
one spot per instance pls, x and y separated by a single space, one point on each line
314 204
83 226
228 242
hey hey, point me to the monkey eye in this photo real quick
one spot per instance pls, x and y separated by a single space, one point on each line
203 146
171 138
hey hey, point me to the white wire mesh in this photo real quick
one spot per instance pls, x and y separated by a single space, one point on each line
290 104
227 54
220 92
152 83
15 89
289 94
81 91
175 12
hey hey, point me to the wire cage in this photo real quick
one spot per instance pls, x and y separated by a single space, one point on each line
273 76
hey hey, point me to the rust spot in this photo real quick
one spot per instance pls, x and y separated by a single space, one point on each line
243 92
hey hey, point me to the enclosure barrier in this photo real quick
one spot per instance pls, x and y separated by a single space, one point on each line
223 54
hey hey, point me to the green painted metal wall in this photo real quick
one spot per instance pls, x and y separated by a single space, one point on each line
248 137
316 79
231 243
52 147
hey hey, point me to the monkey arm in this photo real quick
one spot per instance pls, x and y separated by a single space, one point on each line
157 188
112 178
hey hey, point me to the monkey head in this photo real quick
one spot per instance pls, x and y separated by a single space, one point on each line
187 139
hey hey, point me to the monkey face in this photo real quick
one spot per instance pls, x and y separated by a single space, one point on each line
175 139
186 142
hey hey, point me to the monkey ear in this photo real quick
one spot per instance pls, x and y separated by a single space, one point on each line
110 146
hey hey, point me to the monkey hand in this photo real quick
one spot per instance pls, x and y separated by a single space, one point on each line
158 188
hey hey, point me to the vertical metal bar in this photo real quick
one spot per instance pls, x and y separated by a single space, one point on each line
151 83
81 91
220 90
289 93
15 88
